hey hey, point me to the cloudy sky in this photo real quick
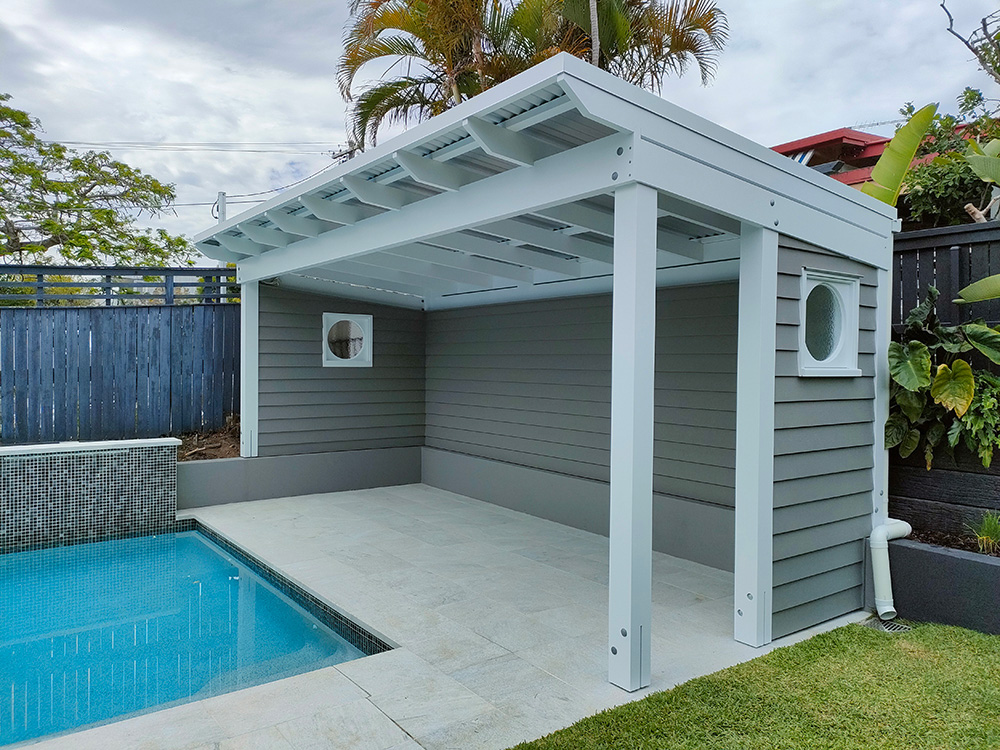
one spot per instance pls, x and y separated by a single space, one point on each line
263 71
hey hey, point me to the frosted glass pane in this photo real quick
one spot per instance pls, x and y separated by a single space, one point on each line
824 322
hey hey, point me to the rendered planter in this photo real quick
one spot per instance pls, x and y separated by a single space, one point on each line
947 586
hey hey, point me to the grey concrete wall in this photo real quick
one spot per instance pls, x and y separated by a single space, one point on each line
693 530
233 480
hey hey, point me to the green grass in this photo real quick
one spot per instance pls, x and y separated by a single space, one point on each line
851 688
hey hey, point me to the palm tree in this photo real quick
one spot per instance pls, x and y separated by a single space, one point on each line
441 52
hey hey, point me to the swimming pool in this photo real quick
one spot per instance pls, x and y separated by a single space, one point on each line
94 632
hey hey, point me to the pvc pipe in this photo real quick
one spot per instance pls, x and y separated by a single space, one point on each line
879 541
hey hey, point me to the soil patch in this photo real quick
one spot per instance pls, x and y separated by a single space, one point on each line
202 446
953 541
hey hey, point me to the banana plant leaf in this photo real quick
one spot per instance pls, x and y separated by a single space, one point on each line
954 387
987 168
979 291
892 166
910 365
985 339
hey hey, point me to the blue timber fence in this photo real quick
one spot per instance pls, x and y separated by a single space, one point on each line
130 369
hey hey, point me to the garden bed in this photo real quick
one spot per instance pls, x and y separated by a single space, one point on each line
947 586
203 446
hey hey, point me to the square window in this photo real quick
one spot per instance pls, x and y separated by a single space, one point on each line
828 324
347 340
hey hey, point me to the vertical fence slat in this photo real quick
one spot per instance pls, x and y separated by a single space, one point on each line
78 374
32 381
9 322
60 365
163 316
216 367
21 431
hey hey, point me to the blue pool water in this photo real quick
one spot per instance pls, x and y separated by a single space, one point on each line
97 631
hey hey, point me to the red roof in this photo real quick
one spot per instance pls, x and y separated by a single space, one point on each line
842 136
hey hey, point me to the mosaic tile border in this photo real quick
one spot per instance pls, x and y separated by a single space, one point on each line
352 632
73 493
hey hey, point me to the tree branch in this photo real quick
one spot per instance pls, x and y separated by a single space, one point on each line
984 63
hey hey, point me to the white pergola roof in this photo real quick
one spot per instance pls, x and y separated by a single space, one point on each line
510 196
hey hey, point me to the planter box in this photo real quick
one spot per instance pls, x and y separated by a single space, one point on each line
947 586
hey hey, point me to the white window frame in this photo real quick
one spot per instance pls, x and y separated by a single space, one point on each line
843 363
364 357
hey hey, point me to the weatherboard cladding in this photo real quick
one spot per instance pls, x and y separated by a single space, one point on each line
308 408
530 384
823 459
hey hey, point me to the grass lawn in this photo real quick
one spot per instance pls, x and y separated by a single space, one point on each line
851 688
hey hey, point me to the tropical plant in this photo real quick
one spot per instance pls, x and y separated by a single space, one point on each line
931 386
441 52
987 533
892 166
81 207
979 427
938 190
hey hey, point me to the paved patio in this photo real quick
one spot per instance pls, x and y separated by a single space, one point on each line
500 617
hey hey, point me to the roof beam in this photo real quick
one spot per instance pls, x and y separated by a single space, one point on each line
375 194
218 252
364 280
699 215
568 176
300 225
415 281
240 245
327 210
437 174
505 144
550 240
424 268
266 236
456 259
504 251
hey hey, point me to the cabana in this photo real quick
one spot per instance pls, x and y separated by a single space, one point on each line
572 298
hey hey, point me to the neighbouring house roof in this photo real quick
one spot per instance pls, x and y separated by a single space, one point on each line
511 196
847 155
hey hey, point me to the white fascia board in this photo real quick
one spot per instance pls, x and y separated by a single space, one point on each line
577 173
629 97
539 77
740 179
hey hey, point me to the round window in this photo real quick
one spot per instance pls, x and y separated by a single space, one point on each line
345 339
824 322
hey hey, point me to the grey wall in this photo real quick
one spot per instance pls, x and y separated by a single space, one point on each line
308 408
823 460
529 385
233 480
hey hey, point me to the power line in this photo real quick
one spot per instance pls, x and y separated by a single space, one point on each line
252 147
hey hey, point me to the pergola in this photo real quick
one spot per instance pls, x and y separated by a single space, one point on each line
568 181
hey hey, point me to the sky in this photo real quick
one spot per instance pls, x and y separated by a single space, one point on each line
264 71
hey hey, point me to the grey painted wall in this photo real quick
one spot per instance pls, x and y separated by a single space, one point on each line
308 408
823 459
695 531
234 480
530 384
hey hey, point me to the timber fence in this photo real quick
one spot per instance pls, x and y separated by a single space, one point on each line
110 353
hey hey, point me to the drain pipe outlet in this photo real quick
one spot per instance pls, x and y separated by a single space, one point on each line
879 540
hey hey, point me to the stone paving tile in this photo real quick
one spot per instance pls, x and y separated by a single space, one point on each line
358 725
428 707
269 738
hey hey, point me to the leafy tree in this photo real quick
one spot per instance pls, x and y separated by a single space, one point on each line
938 189
80 207
441 52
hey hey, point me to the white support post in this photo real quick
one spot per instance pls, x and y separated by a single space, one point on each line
632 372
755 435
249 366
883 334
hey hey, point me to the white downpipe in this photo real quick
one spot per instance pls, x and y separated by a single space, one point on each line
879 540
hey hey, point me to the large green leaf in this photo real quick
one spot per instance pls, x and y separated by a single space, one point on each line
954 386
985 339
911 403
935 432
910 365
987 168
918 315
896 427
980 291
892 166
909 443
